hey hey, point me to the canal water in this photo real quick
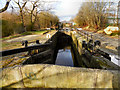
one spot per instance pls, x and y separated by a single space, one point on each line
64 57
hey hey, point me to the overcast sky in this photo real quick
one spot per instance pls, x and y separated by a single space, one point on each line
64 9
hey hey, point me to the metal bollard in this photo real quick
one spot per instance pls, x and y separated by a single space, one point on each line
87 36
97 43
25 43
90 45
84 44
84 34
37 42
91 36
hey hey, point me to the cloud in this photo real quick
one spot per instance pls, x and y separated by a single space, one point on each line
65 9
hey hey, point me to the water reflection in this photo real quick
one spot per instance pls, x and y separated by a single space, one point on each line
64 57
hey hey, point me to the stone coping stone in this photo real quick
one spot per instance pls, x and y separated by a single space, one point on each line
11 76
54 76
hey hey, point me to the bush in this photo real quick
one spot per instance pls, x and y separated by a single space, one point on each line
10 28
6 28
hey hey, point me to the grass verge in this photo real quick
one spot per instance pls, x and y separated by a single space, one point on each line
23 34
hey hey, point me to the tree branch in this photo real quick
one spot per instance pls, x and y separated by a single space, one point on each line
6 6
24 4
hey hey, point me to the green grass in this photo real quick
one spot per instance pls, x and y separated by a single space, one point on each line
7 46
39 32
33 32
4 44
26 33
9 37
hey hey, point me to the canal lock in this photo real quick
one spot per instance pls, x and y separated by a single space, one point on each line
64 51
59 53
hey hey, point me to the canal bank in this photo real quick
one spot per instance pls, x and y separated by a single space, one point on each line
90 73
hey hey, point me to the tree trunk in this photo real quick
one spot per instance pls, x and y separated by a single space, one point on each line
22 21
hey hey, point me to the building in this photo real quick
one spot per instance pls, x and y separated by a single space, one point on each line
118 13
68 23
114 13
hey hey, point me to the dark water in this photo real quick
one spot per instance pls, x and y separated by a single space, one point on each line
64 57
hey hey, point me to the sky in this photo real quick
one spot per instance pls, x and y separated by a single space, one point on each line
67 9
64 9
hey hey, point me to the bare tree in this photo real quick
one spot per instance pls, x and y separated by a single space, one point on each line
6 6
92 14
37 7
21 8
33 13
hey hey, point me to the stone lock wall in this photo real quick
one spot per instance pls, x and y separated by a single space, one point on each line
53 76
85 59
82 59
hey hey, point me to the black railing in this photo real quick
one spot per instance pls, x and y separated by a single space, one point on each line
19 50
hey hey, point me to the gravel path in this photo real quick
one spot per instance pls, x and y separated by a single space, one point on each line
19 39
